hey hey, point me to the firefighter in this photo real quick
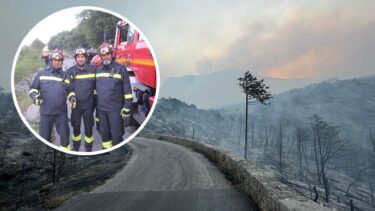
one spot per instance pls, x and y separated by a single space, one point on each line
50 89
83 76
114 97
96 61
46 57
90 55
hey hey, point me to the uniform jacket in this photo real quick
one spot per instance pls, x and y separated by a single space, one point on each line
84 85
54 87
113 88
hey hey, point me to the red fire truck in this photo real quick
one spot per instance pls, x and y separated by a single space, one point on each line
132 51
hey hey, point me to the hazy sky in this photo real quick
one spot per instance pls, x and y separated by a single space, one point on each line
286 39
63 20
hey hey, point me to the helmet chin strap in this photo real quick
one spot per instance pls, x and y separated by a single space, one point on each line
81 65
57 69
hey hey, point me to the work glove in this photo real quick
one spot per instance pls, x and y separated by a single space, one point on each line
73 102
125 113
37 100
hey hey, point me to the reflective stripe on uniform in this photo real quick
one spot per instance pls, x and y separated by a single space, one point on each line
76 138
94 91
126 109
33 90
108 75
96 119
83 76
107 144
66 148
89 140
50 78
128 96
53 78
71 94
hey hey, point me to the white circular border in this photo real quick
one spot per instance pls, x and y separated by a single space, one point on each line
124 141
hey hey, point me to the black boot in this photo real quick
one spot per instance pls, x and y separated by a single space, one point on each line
88 147
76 145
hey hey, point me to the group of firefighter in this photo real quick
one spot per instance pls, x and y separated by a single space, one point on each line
104 88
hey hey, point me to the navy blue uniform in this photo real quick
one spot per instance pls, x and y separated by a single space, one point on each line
46 60
54 87
113 93
84 86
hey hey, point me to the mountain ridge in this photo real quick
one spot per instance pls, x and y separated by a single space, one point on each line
220 89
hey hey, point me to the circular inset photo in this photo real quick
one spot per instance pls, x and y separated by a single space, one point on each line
85 80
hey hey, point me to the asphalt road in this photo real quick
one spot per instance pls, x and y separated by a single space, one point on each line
164 176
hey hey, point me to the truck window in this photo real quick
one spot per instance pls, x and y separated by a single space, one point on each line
124 33
131 34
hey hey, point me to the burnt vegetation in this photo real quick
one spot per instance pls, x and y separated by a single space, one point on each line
319 139
35 176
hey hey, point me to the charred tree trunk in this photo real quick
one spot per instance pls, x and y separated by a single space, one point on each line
267 139
316 194
60 166
316 156
372 196
240 132
54 167
229 131
372 140
351 205
322 171
252 126
326 186
280 147
247 104
299 153
192 136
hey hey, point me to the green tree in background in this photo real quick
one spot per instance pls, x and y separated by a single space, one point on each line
93 29
97 26
29 60
37 45
59 40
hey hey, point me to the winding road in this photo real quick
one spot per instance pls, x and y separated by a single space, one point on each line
164 176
